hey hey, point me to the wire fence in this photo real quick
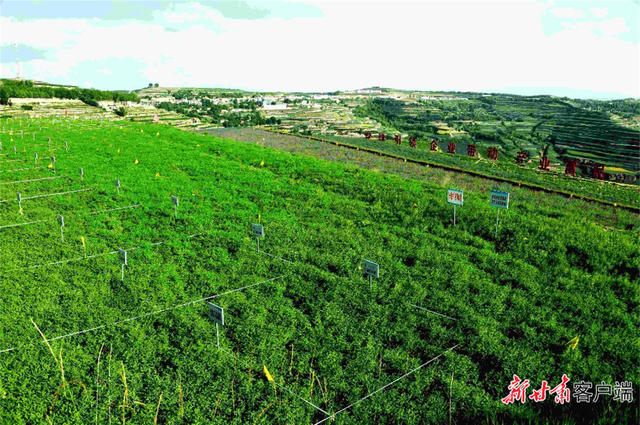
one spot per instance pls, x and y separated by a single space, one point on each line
119 322
386 386
71 260
34 180
76 215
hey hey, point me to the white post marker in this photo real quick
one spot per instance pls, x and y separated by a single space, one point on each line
82 174
258 232
19 203
122 255
118 186
454 197
49 142
66 146
61 221
216 313
35 154
21 133
175 205
53 161
499 200
15 151
373 270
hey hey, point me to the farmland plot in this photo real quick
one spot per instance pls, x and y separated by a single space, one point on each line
312 321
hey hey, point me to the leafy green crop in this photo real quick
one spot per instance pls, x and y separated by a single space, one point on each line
319 329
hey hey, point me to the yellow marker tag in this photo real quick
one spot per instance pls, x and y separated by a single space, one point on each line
82 239
197 146
571 196
120 127
118 150
50 166
258 218
615 204
141 131
157 174
136 160
157 134
266 372
573 343
21 209
415 205
262 163
12 140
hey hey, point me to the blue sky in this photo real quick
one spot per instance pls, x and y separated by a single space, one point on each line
588 49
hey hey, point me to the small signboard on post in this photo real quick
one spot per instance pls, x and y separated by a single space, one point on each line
216 313
372 269
499 200
174 199
258 232
454 197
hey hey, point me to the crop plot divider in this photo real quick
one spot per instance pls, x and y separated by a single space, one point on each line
386 386
434 312
85 331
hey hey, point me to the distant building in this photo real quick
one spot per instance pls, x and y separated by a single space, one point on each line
269 107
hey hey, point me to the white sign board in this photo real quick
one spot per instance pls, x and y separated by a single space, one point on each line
175 200
258 230
122 255
499 199
216 313
371 268
454 197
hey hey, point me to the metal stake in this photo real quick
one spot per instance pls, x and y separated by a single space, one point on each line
454 214
217 336
258 239
497 220
370 283
122 279
175 214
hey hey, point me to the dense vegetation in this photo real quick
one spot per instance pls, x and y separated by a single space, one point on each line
226 114
323 334
25 89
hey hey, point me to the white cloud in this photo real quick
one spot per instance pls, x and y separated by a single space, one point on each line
567 12
608 28
599 12
428 45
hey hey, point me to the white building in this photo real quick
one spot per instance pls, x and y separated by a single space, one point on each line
269 107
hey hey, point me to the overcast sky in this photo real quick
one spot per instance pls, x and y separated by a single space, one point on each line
586 49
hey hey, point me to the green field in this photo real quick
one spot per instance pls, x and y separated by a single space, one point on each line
518 299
